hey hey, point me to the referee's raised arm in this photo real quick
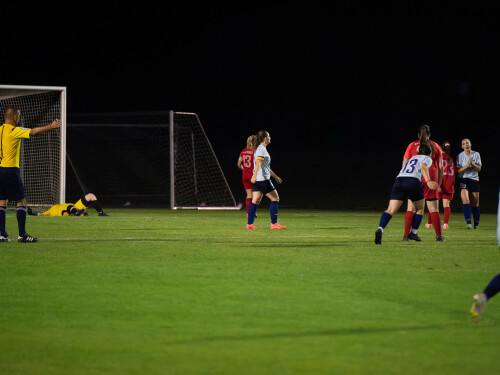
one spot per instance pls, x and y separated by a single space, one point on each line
44 129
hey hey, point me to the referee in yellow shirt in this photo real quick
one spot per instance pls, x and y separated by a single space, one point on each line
11 184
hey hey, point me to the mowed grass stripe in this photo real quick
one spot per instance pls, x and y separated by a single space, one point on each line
160 291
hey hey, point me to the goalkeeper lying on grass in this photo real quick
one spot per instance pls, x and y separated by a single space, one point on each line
69 209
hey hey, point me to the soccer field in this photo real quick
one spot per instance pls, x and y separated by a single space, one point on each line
192 292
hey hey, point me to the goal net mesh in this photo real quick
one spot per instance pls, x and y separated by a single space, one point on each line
40 156
124 159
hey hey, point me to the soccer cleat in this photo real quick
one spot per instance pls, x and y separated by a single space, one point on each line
251 226
476 226
440 239
445 226
428 226
414 237
478 306
102 214
469 226
405 238
26 238
5 239
378 237
277 226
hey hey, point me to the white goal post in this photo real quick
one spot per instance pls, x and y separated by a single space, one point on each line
42 158
191 121
154 159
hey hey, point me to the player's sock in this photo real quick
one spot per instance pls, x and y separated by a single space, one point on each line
466 209
248 202
436 222
384 220
447 214
2 222
273 211
417 219
97 206
429 220
21 220
476 214
408 221
493 287
252 209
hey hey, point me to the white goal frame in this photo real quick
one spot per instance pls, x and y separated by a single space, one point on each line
62 145
172 168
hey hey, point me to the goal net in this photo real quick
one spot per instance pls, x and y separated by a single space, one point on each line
42 158
159 158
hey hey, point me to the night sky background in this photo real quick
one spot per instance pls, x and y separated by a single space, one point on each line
342 87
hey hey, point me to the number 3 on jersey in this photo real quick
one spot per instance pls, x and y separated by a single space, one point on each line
410 166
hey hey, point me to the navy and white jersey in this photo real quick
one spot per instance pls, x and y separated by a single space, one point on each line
265 167
413 167
463 159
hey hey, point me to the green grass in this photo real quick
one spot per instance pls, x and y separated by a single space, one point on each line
188 292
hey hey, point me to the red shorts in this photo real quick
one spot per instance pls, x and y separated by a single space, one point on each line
247 184
428 193
445 195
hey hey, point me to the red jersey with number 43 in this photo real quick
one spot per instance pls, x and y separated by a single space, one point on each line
449 172
413 147
247 157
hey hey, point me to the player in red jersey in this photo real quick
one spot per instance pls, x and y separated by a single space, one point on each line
436 175
447 186
245 163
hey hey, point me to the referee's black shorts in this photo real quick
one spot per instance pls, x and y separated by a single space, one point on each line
11 184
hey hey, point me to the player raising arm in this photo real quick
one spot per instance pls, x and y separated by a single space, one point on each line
408 184
11 184
262 184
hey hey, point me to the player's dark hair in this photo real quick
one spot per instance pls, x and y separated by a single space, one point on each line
446 147
11 111
259 138
424 149
424 134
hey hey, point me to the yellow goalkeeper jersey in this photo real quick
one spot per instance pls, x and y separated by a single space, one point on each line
58 210
10 144
62 209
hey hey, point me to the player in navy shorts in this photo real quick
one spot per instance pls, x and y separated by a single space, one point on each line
408 185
